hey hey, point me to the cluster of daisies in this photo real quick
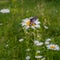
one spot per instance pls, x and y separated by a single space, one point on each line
51 46
34 23
38 44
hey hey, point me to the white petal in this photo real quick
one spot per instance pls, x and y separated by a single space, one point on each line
46 42
37 22
4 10
38 57
27 27
27 57
37 26
32 27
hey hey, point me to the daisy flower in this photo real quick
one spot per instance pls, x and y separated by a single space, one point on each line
53 47
46 42
28 49
38 51
5 11
45 27
48 39
20 40
37 57
27 57
37 43
31 23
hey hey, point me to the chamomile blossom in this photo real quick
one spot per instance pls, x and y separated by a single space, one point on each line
27 57
28 50
38 51
37 43
45 27
46 42
53 47
20 40
48 39
27 23
38 57
5 11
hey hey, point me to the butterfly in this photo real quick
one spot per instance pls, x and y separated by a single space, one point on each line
32 20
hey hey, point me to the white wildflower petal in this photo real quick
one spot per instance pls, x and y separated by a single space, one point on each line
38 51
23 24
33 27
25 20
36 42
27 27
37 22
27 57
47 42
5 11
39 44
37 26
20 40
37 57
28 49
45 27
48 39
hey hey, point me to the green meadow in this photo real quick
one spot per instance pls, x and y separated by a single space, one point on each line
11 30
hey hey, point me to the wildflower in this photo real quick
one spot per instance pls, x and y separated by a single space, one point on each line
27 57
37 57
53 47
38 51
47 42
37 43
30 23
28 49
5 11
48 39
20 40
45 27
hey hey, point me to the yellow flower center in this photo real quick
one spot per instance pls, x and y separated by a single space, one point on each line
52 46
28 23
33 24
